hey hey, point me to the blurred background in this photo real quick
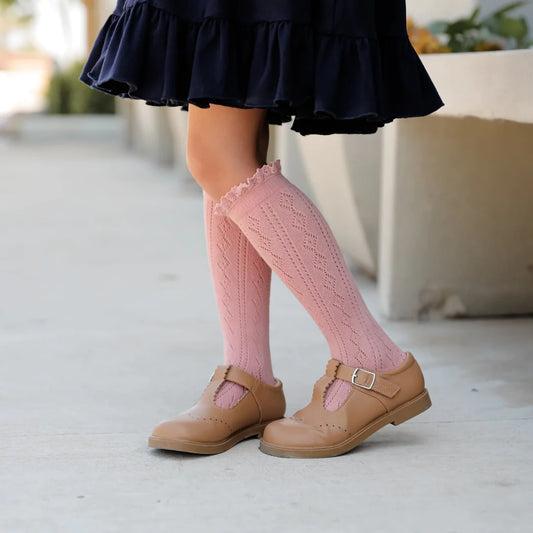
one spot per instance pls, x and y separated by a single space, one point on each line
42 47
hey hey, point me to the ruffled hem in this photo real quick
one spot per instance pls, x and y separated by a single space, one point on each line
225 204
329 83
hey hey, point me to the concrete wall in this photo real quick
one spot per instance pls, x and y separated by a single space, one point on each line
458 230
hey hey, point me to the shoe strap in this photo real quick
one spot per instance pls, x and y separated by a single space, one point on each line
235 375
364 379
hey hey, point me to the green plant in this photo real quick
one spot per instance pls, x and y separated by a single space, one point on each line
495 31
66 94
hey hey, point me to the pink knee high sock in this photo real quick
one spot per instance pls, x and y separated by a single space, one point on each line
293 238
241 282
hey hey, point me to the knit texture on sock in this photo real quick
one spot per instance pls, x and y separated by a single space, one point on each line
241 281
294 239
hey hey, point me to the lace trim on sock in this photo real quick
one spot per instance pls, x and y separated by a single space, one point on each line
226 202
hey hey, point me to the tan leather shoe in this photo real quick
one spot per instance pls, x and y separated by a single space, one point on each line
376 399
208 429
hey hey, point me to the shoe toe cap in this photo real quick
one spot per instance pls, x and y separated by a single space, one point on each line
169 429
293 433
185 428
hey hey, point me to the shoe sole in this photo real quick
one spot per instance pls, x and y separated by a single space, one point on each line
397 416
210 448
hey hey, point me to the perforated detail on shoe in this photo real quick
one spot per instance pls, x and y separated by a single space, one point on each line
334 427
211 420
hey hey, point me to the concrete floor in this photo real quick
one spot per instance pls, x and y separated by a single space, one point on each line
108 325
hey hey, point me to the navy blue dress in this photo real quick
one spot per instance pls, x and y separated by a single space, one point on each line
336 66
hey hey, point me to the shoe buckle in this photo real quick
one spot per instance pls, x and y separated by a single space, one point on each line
354 375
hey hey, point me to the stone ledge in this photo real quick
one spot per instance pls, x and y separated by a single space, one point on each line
37 126
487 85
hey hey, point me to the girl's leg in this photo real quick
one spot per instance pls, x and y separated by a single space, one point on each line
241 278
241 281
293 238
290 234
225 145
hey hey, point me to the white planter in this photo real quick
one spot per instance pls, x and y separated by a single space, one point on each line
488 85
457 224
